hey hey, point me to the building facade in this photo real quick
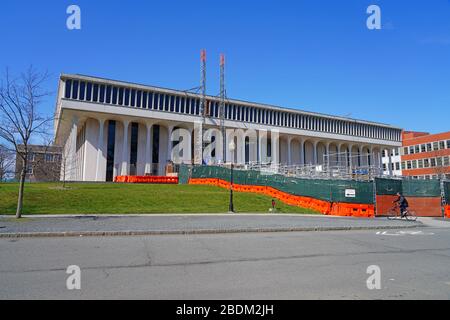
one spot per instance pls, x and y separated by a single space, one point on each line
426 156
391 161
109 128
44 163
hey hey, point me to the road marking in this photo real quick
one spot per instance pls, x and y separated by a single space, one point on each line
405 233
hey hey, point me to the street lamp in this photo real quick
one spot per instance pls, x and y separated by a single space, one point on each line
232 148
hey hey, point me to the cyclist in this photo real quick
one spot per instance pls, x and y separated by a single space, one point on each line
402 203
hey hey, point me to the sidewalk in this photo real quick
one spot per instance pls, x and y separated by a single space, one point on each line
122 225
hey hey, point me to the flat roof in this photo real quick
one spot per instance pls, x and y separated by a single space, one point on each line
232 101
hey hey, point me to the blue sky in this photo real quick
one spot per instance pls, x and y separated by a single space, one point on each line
313 55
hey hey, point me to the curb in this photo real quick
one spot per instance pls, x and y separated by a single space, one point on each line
190 232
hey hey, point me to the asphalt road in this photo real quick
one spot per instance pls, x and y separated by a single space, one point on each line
414 264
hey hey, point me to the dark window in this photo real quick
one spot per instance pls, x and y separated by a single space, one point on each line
68 92
172 102
108 94
166 102
150 101
120 101
75 90
82 90
134 148
133 98
177 104
95 95
138 99
110 150
183 101
114 95
127 97
102 93
89 91
144 100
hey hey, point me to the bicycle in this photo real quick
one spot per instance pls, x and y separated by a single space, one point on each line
394 213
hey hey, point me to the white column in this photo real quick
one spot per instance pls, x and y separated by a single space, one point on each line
302 151
100 147
148 149
328 154
315 152
350 155
169 142
289 140
372 158
339 157
71 166
125 154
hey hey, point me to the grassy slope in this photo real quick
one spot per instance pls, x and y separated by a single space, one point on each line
50 198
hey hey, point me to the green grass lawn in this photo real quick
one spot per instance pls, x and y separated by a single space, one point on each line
51 198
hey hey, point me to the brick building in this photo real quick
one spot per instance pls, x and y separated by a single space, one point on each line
44 163
425 156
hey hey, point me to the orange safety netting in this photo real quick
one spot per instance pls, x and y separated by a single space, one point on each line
325 207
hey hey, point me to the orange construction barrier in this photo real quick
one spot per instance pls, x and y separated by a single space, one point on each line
447 211
147 179
324 207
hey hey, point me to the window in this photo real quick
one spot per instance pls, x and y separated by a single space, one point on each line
102 93
75 90
403 165
108 94
411 150
435 146
144 100
139 99
397 166
68 89
429 147
49 157
441 145
420 163
448 144
29 169
405 151
82 90
121 97
439 162
31 156
95 93
414 164
133 98
423 148
115 92
446 161
426 163
408 165
417 149
433 162
88 91
126 100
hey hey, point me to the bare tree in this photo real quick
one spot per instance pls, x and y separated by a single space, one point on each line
6 162
20 117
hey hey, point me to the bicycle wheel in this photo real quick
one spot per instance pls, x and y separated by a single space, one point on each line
411 216
392 214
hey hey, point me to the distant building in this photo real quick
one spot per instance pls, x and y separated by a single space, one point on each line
425 156
44 163
391 162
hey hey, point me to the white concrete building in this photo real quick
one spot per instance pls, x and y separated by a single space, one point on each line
391 161
109 128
